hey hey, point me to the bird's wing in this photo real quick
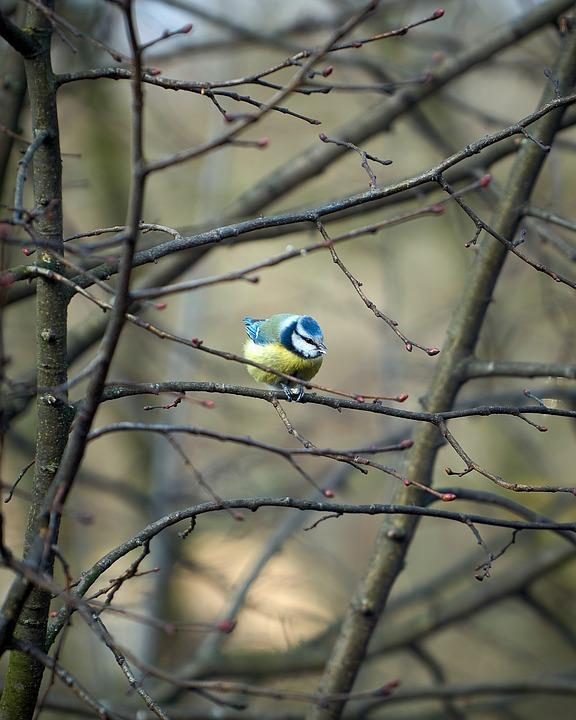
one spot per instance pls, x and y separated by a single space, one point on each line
267 331
253 330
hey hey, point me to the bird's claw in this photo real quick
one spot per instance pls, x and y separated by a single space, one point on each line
293 392
298 392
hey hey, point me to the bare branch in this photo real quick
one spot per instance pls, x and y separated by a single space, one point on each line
550 217
363 155
22 42
68 679
490 368
23 163
322 506
508 244
408 344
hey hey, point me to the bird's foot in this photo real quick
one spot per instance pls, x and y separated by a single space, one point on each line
293 392
298 392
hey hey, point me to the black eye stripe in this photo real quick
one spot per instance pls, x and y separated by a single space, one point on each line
305 338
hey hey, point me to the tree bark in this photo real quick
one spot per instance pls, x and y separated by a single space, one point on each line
53 415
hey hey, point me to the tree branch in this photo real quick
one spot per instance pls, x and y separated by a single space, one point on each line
490 368
395 537
253 504
24 604
23 42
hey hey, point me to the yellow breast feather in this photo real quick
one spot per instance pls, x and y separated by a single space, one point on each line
280 358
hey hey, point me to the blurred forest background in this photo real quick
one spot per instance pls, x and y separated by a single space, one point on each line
441 627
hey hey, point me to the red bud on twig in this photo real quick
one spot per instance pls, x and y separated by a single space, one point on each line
226 626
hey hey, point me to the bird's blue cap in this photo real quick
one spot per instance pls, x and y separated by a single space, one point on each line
310 326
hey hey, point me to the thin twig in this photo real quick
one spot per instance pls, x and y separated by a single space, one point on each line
67 678
363 155
508 244
392 324
17 481
23 163
472 465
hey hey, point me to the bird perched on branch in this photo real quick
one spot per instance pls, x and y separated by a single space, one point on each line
290 344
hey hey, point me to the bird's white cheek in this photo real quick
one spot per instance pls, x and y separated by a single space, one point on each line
308 350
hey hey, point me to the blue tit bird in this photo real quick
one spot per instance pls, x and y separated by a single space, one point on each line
291 344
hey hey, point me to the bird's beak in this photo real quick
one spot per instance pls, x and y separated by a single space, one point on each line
323 349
